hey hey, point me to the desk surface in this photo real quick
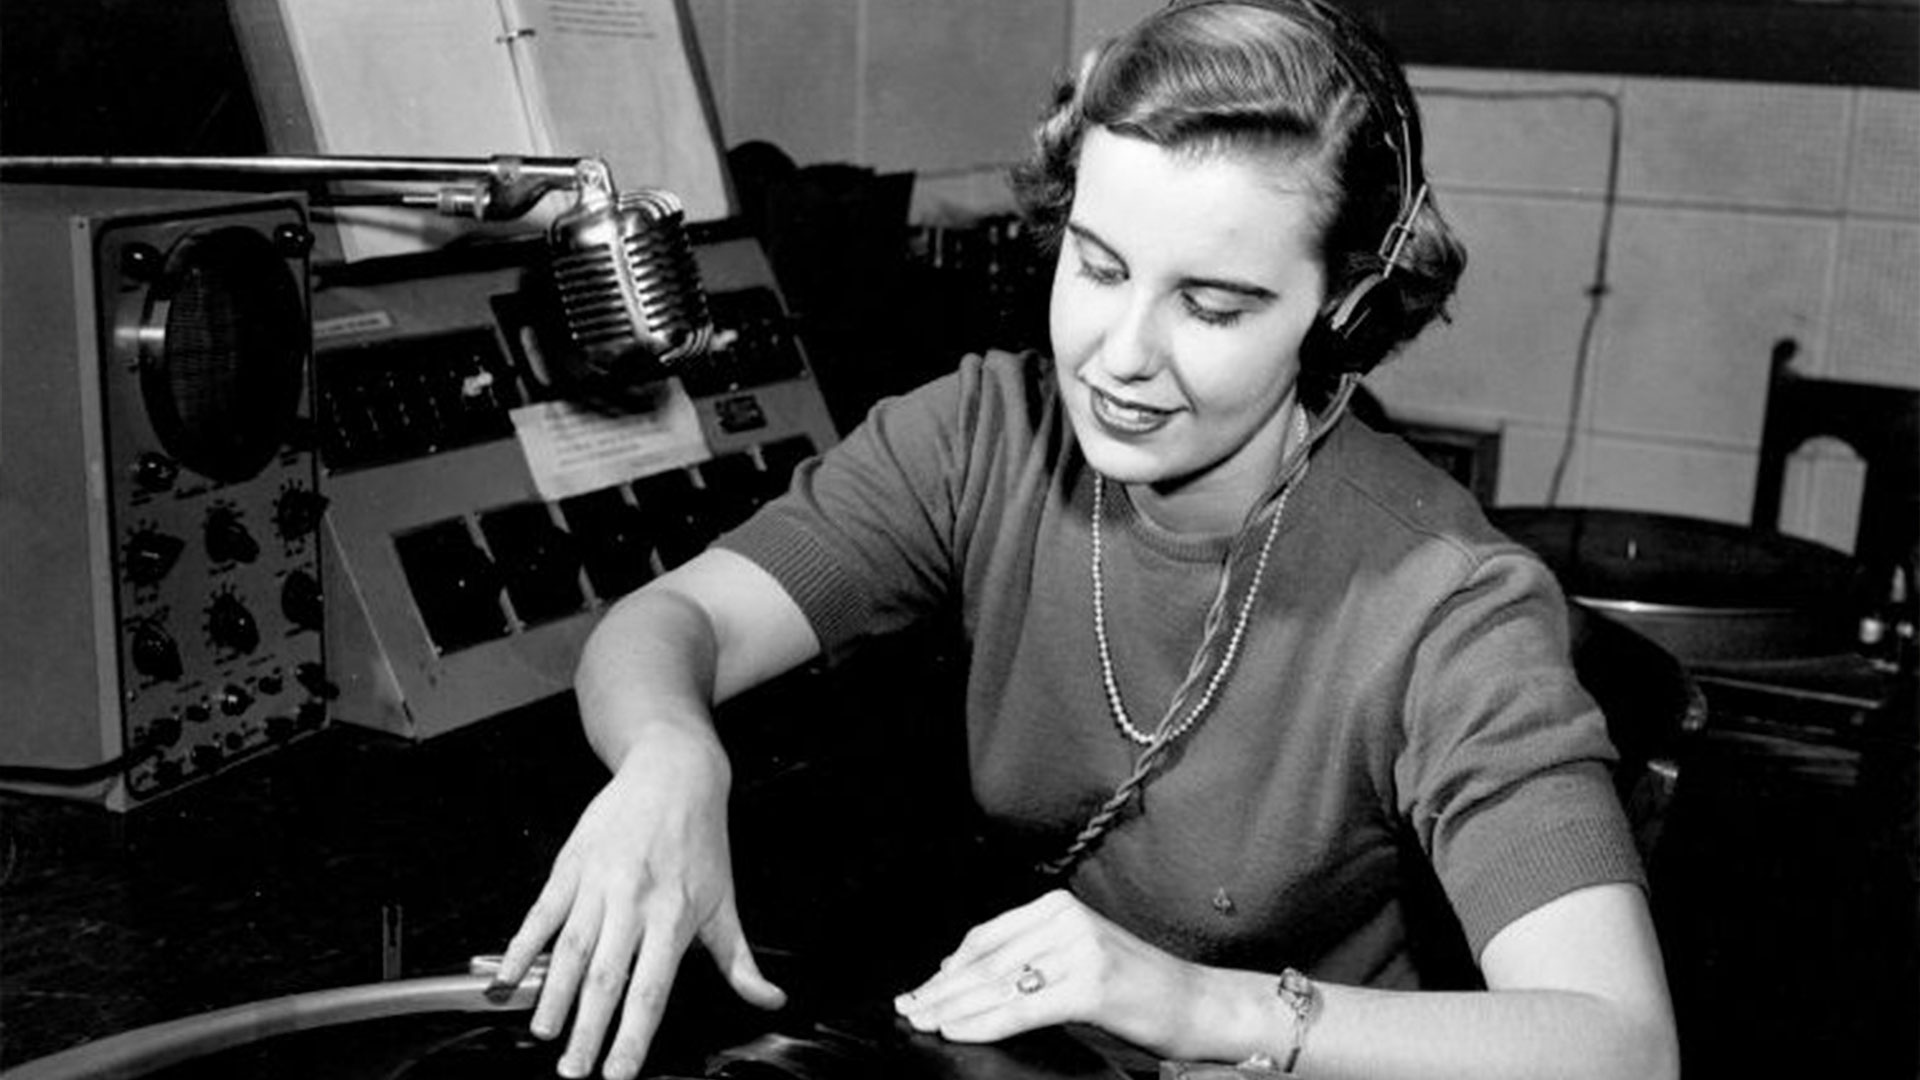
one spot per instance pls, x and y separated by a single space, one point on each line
354 856
1790 881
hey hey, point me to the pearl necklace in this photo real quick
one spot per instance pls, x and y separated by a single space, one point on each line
1170 730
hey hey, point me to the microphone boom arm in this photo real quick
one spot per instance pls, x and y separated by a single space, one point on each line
499 188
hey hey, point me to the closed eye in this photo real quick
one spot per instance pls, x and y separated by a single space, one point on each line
1223 301
1094 260
1099 275
1212 316
1210 301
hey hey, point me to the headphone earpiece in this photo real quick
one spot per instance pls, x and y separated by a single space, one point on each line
1353 333
1353 311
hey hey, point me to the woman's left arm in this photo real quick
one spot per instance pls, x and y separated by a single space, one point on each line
1575 989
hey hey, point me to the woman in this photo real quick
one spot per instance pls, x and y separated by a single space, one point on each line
1284 717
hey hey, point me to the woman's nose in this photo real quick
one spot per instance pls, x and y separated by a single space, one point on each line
1135 343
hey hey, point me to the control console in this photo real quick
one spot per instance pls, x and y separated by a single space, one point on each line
456 589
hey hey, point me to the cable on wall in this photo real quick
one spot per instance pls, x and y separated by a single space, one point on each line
1600 286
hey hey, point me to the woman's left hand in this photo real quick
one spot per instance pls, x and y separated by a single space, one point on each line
1053 961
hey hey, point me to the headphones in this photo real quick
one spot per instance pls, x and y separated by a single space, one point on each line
1354 334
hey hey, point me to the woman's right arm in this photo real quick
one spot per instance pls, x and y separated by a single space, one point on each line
692 638
647 869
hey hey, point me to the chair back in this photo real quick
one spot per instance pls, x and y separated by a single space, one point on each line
1881 424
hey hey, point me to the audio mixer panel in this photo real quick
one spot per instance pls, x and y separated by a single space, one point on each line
221 608
455 589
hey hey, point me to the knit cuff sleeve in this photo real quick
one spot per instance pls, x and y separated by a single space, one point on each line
810 573
1540 866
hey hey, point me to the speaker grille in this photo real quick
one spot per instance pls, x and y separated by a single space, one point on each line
225 344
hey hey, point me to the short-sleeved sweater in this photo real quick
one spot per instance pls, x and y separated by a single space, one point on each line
1402 713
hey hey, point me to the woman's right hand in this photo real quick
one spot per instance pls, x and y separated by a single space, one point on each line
645 871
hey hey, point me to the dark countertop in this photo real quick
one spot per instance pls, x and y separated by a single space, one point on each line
354 855
1787 887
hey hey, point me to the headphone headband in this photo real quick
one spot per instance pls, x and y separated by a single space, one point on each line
1383 100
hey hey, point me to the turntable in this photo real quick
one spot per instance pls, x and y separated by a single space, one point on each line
441 1028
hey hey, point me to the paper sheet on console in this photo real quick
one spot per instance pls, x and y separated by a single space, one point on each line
571 449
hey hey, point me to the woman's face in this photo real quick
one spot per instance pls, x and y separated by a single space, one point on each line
1184 287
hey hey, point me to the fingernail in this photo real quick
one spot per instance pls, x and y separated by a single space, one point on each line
499 991
543 1029
618 1068
570 1067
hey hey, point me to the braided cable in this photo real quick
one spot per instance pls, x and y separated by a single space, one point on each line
1172 725
1104 819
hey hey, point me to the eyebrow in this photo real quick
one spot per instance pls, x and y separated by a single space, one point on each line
1230 285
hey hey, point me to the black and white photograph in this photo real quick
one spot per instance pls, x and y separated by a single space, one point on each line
959 539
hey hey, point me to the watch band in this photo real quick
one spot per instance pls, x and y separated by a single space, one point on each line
1211 1070
1302 998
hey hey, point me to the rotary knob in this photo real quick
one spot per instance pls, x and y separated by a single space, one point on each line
227 537
231 626
141 262
154 653
296 513
150 554
301 601
163 731
154 471
235 699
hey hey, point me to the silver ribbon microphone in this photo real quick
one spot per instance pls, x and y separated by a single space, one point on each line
628 286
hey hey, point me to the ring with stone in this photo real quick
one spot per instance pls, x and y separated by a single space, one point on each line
1030 980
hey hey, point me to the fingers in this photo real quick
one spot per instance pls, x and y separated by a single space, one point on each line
995 997
602 986
646 998
620 907
726 942
572 951
1010 974
993 934
608 957
548 912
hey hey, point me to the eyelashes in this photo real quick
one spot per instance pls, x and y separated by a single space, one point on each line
1109 276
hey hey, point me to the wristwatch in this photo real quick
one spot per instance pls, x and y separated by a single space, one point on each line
1302 999
1298 994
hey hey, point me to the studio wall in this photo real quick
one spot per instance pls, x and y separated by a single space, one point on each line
1743 213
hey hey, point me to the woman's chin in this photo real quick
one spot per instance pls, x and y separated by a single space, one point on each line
1126 464
1158 475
